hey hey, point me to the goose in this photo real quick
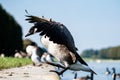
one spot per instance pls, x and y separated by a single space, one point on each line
107 71
46 57
81 78
39 50
34 56
114 74
38 55
32 51
59 43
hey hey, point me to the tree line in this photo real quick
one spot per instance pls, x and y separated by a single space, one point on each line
105 53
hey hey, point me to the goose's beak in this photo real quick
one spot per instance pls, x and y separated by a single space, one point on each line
28 34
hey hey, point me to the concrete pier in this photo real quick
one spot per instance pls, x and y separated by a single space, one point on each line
29 72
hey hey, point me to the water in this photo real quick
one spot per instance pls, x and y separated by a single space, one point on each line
99 68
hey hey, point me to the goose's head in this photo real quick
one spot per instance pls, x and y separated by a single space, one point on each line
32 31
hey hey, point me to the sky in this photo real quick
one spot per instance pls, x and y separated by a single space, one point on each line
94 24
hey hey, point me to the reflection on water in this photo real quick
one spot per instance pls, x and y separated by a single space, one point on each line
99 68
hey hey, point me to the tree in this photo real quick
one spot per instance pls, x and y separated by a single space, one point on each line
10 34
105 53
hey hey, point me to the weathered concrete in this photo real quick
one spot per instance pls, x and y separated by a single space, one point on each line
29 73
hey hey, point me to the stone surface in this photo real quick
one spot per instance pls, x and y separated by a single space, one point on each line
29 72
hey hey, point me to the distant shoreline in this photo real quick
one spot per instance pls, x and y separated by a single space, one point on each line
100 60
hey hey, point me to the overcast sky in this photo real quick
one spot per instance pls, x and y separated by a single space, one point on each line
93 23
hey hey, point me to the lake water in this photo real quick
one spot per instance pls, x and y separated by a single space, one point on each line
99 68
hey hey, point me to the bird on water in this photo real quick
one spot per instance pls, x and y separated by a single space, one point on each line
59 42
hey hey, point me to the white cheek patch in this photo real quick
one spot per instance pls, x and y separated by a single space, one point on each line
35 30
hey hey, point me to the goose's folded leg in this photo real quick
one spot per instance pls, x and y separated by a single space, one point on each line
60 73
57 65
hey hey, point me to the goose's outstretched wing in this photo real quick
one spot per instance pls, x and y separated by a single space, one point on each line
56 32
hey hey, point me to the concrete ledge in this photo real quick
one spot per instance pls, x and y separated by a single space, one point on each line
29 73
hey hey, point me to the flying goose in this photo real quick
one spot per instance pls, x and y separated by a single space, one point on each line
59 42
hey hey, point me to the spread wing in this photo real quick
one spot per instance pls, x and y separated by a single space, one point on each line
56 32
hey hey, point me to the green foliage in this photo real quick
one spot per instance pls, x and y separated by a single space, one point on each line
9 62
107 53
10 34
89 53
